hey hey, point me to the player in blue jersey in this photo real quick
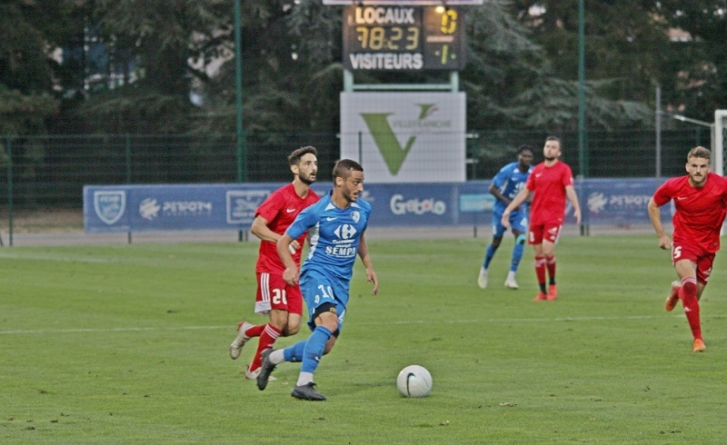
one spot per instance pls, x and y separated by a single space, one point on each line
505 186
336 225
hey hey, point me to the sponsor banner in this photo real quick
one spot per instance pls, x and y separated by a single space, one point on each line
405 137
618 201
172 207
603 201
232 206
398 205
475 203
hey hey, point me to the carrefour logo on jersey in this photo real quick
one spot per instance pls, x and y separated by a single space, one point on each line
346 231
401 206
342 247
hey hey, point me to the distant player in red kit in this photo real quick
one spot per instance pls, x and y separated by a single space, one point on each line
281 301
552 182
700 200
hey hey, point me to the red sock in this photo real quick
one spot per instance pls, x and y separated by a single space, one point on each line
688 295
255 331
550 262
540 269
267 340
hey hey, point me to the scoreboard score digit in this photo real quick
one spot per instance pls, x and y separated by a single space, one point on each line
403 38
444 39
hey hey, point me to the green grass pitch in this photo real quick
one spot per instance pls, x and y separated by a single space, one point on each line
128 344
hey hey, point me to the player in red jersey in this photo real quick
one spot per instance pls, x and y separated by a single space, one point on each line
552 182
700 200
282 302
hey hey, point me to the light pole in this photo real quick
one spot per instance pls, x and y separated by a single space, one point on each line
241 161
582 135
241 155
682 118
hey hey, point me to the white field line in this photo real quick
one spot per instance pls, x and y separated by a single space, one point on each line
401 322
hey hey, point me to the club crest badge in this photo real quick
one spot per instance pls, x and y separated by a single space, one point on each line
109 205
355 216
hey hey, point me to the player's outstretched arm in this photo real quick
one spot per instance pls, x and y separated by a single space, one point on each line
655 216
291 273
515 203
363 252
570 191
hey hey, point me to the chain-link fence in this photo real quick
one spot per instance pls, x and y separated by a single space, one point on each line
45 175
610 154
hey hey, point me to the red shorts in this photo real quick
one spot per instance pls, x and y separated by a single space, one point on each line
696 255
547 231
274 293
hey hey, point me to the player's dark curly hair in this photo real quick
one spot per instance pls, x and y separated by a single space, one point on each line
294 157
526 147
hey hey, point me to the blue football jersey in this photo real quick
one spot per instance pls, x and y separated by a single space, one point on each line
334 236
510 180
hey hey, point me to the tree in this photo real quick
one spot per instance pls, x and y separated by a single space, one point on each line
27 70
291 70
626 49
170 45
697 76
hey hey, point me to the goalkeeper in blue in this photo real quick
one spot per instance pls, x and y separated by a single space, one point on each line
506 184
336 226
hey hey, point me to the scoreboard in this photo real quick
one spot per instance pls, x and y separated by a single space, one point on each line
403 38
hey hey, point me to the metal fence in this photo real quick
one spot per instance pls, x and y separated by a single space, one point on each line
41 172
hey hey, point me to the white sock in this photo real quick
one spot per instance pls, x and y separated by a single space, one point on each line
277 357
304 378
511 275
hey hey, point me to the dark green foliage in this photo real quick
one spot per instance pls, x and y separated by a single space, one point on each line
698 80
521 72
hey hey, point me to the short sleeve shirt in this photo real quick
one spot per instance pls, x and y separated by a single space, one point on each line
335 236
509 180
549 199
280 210
700 211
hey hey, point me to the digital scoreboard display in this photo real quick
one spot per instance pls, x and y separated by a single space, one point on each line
403 38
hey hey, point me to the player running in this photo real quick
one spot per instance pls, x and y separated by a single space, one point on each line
700 199
337 224
281 301
506 184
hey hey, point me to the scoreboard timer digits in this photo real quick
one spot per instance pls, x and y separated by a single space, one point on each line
390 38
398 38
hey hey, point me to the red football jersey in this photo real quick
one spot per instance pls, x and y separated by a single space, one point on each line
279 210
548 184
700 212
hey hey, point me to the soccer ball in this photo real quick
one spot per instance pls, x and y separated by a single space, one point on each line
414 381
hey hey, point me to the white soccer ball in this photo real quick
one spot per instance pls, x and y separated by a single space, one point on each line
414 381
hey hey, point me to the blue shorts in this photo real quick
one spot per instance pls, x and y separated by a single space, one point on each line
319 289
518 221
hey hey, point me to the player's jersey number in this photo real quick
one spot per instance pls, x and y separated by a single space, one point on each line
327 292
279 296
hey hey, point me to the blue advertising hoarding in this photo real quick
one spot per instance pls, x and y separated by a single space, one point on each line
139 208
